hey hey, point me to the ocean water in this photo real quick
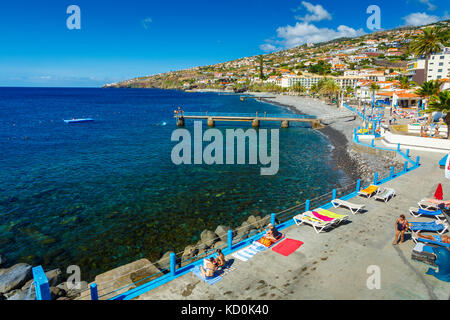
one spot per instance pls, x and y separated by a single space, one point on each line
105 193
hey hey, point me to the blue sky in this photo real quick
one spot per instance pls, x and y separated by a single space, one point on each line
124 39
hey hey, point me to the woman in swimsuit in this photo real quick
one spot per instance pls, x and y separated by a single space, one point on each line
401 225
208 268
272 233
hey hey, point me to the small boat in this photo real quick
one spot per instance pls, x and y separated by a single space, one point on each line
79 120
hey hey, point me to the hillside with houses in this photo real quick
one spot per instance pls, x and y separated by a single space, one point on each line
351 66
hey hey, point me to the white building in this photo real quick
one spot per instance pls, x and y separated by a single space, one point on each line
439 66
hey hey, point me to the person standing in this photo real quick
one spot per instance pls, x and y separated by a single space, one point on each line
401 225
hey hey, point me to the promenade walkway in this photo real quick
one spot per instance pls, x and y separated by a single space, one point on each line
333 265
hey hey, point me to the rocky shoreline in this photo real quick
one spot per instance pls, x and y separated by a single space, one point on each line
16 283
356 165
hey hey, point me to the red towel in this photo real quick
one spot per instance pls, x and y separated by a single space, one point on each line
439 195
287 247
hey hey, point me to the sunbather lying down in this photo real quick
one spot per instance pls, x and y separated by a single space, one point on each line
444 202
443 238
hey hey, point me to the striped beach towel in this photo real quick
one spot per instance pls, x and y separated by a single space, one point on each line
218 275
247 253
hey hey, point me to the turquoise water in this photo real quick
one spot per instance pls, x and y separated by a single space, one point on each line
106 193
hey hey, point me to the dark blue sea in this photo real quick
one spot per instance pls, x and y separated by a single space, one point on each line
106 193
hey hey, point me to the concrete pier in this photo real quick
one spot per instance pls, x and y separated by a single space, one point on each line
256 119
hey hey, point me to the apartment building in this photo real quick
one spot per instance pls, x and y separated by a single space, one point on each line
439 66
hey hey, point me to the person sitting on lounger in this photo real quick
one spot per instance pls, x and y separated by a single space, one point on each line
208 269
401 225
220 261
272 233
444 238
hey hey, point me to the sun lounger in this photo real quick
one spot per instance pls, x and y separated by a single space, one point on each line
436 226
432 204
385 195
417 212
319 224
354 208
331 215
416 238
369 191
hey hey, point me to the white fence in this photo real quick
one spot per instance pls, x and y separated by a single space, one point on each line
417 143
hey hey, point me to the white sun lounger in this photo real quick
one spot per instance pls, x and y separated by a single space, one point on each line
354 208
417 212
385 195
369 191
318 224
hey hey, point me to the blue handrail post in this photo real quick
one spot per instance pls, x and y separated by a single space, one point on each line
272 218
230 239
172 264
94 292
358 185
307 203
392 172
398 147
357 138
407 153
334 194
418 161
375 178
41 285
373 143
406 166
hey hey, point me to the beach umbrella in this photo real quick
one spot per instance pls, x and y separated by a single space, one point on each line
439 195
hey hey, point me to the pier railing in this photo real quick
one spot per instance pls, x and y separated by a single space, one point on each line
249 115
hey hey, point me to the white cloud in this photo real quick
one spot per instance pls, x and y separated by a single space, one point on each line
420 19
146 22
267 47
304 32
431 6
318 13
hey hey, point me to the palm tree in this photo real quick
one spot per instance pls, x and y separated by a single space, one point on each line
298 88
441 103
428 89
430 41
349 90
329 88
405 83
